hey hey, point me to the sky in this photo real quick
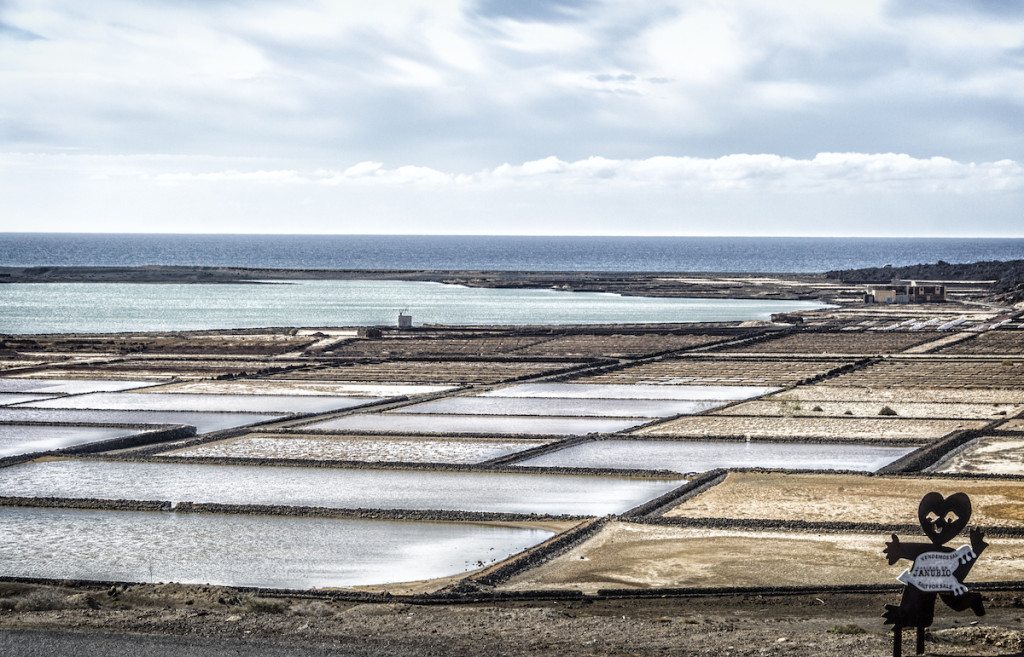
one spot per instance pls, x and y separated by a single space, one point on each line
524 117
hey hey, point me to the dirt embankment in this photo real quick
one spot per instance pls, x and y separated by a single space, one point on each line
656 284
800 626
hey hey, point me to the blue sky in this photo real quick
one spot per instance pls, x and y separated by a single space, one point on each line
794 117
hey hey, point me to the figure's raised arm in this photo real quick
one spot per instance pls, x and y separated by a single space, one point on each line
978 543
896 550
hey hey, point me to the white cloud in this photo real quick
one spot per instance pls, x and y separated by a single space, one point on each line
838 172
275 95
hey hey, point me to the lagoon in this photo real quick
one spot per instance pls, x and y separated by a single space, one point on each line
122 307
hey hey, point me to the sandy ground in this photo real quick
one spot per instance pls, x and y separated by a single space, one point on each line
888 394
625 555
1013 425
797 626
849 498
991 342
988 455
842 428
787 408
820 344
945 373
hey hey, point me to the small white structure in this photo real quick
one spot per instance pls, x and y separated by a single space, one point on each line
404 321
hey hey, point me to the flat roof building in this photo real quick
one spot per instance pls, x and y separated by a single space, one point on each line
901 292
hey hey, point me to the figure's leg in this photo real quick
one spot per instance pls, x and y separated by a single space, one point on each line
920 639
897 641
971 600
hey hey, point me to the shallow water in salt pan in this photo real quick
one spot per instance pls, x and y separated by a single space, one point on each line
554 406
332 487
475 424
622 391
69 386
245 550
28 438
19 397
301 387
205 402
701 455
204 422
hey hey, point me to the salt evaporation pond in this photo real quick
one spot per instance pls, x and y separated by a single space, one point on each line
245 550
474 424
358 448
302 387
7 398
168 401
554 406
625 391
203 422
113 307
70 386
701 455
18 439
333 487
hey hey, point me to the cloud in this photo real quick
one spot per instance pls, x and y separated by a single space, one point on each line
423 100
15 32
456 84
763 173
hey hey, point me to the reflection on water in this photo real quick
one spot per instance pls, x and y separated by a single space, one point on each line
244 550
155 401
650 408
478 424
204 422
68 386
701 455
28 438
108 307
330 487
623 391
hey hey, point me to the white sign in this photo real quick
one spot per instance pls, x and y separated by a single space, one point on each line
933 572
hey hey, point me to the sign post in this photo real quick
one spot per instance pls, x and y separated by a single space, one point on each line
937 570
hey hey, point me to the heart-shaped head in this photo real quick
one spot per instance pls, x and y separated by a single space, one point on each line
942 518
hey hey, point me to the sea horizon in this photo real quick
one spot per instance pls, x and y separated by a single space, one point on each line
498 253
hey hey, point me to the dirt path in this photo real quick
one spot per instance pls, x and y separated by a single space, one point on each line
836 624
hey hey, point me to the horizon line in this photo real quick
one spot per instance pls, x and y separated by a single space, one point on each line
502 235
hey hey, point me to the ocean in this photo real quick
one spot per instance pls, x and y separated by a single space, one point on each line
668 254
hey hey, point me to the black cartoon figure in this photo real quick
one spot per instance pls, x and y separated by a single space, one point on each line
937 570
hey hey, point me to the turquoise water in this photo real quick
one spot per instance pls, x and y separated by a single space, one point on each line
110 307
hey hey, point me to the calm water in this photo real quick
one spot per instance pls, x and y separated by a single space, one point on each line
712 254
334 488
244 550
108 307
625 391
29 438
698 455
554 406
69 386
169 401
512 425
203 422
